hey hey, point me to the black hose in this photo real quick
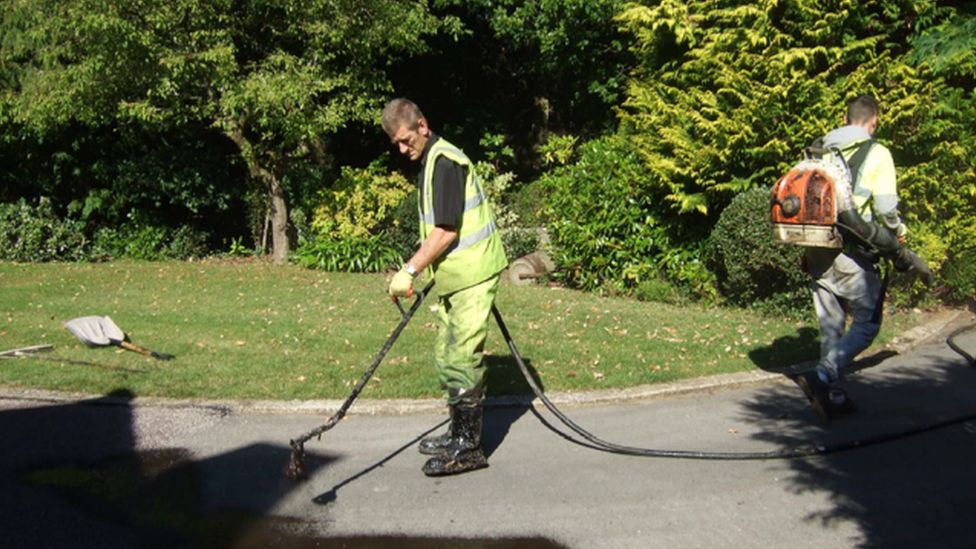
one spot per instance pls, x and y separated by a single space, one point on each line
296 462
785 453
951 342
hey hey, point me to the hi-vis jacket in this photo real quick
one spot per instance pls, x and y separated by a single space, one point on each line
477 254
875 191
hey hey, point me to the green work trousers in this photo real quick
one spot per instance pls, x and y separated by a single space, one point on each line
462 318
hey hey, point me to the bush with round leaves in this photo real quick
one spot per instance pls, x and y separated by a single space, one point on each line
750 268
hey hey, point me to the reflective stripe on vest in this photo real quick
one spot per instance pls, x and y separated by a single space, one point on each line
469 204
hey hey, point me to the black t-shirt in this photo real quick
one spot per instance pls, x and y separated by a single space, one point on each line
448 187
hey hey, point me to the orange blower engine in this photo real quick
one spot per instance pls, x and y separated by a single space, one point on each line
805 203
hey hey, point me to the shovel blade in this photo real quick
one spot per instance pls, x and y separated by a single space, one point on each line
95 331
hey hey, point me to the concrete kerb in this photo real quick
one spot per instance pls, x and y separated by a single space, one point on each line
911 338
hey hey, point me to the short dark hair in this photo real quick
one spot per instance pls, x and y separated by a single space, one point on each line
400 112
862 109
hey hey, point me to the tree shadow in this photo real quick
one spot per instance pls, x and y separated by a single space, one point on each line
915 488
803 349
791 355
76 478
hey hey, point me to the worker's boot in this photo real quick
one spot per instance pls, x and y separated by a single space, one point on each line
437 444
826 400
839 403
816 391
462 451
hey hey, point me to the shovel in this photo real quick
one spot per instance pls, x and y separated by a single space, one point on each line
96 331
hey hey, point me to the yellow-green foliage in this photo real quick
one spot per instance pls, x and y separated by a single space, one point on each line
728 92
361 203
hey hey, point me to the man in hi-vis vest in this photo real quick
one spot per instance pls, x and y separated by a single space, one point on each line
462 250
848 282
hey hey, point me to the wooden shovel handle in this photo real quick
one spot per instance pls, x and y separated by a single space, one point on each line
133 347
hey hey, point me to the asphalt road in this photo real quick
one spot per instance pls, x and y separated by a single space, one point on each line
108 471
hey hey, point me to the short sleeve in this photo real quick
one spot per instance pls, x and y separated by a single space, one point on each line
449 179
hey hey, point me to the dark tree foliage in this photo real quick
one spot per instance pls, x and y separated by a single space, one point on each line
522 69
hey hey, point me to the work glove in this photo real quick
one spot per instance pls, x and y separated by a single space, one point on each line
905 260
402 283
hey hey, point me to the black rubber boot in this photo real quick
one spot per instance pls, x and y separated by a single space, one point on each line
827 402
431 446
434 445
463 451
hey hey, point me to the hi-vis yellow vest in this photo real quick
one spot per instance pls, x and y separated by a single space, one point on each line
874 181
477 254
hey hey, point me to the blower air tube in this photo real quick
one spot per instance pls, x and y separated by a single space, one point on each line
883 241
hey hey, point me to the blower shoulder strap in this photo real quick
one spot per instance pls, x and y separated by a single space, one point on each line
858 158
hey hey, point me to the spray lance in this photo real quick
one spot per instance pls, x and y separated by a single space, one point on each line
296 461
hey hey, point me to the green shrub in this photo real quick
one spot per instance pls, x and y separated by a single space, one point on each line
140 239
186 242
238 249
519 242
367 222
659 291
496 185
368 254
35 233
529 203
361 203
608 230
751 269
144 241
686 271
959 277
404 233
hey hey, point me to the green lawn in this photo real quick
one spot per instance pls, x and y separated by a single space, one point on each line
258 331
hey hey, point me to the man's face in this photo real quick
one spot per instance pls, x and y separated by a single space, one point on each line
409 142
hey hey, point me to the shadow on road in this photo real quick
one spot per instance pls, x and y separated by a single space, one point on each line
503 378
332 494
73 477
914 491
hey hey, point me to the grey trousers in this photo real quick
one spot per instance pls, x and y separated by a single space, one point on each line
849 286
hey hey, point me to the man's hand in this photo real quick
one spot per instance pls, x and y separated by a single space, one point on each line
402 283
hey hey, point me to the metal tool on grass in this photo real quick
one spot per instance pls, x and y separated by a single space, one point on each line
25 351
296 461
40 352
97 331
